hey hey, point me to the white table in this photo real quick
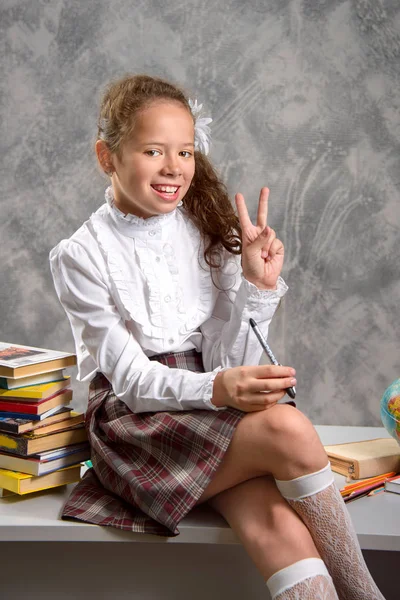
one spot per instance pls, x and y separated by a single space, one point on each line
35 522
36 518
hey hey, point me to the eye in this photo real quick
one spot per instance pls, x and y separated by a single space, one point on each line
185 154
153 152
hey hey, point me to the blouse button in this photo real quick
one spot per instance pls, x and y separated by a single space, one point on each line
167 298
152 232
158 259
171 340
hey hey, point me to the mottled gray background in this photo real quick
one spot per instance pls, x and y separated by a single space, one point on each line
305 99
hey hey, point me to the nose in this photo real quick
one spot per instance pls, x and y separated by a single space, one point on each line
171 167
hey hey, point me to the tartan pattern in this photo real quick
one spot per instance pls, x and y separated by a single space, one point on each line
149 469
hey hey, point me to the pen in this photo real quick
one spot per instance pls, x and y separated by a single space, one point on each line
291 391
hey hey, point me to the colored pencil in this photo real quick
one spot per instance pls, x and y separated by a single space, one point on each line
366 490
365 482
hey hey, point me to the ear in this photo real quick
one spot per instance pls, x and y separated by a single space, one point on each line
104 157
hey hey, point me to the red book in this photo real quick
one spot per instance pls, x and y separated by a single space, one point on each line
36 408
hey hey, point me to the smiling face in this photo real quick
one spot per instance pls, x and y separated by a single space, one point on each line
156 165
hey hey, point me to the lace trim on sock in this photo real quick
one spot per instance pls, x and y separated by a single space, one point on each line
313 588
289 576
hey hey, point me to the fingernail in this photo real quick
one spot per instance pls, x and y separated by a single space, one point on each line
293 381
293 371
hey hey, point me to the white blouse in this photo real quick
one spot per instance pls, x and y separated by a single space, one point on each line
134 287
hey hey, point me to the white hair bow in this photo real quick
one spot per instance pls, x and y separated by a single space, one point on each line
201 129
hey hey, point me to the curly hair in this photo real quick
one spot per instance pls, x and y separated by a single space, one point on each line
207 201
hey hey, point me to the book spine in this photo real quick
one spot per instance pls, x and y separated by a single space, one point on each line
14 400
9 483
9 428
13 444
36 392
25 408
23 465
23 416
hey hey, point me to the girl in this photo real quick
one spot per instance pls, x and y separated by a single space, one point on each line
159 285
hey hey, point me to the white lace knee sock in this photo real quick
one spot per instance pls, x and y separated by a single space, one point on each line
307 579
318 502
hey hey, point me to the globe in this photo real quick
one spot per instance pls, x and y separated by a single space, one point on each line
390 410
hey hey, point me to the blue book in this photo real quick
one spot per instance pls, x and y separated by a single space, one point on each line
14 415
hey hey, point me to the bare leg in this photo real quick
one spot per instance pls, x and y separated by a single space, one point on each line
270 530
275 538
281 441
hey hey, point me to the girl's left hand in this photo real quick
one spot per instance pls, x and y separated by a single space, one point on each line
262 252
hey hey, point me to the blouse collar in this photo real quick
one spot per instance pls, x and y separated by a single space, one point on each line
132 223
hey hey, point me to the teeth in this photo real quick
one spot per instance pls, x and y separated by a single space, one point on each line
165 188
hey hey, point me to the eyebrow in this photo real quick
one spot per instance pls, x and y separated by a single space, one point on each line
162 144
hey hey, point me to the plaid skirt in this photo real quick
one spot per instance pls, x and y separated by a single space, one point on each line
149 469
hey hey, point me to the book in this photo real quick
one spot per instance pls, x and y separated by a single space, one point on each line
393 485
20 361
21 483
38 407
41 417
22 425
367 458
73 420
46 462
57 452
6 383
35 392
26 444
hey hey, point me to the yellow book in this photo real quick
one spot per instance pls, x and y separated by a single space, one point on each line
35 392
21 483
358 460
27 444
8 383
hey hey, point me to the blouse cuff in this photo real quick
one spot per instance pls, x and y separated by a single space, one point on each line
209 391
253 291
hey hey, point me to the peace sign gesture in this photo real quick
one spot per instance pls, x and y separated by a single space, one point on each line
262 252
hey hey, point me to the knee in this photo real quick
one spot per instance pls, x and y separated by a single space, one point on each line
290 431
282 419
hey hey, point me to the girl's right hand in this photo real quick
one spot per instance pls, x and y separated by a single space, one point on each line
244 387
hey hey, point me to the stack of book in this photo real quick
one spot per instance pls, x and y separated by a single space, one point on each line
42 440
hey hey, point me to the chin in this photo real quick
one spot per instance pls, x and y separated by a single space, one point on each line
166 208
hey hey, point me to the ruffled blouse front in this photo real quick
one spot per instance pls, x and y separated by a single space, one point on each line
135 287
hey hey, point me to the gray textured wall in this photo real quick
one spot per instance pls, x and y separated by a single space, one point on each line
305 99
